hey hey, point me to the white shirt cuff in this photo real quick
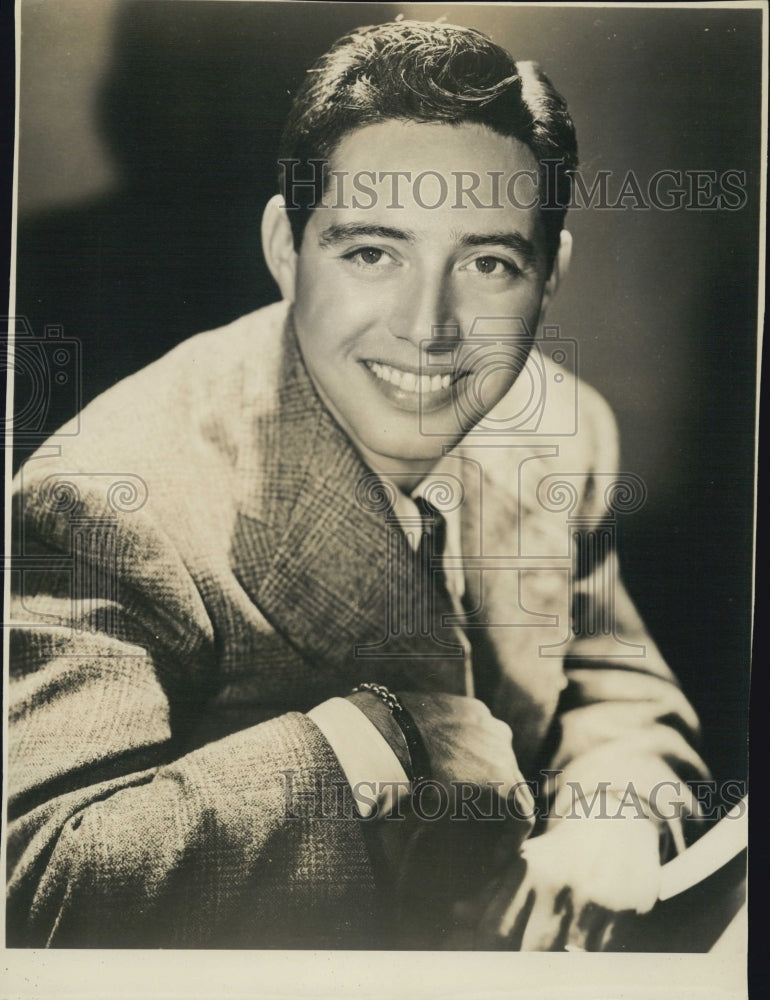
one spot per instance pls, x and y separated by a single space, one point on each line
373 771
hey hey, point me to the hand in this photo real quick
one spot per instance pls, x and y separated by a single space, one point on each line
566 888
429 863
465 742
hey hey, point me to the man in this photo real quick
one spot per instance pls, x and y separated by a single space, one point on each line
248 530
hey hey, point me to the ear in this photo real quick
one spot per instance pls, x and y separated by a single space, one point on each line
278 246
559 270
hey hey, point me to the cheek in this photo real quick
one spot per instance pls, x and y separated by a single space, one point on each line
492 383
329 302
516 306
493 371
312 292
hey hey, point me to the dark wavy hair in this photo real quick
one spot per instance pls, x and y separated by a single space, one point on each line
429 72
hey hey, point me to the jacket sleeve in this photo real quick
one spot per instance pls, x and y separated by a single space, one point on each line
122 832
625 724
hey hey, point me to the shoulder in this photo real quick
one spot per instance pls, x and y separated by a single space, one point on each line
176 430
196 391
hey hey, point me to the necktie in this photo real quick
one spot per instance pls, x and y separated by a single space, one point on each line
481 673
435 601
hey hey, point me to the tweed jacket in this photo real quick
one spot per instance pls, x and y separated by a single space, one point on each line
207 560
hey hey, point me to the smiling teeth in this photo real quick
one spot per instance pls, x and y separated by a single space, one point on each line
408 381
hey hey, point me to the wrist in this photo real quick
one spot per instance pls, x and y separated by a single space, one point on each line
382 719
373 771
417 754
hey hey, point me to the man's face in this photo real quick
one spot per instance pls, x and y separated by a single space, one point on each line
386 297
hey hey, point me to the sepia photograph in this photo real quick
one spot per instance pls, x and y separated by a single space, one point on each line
381 456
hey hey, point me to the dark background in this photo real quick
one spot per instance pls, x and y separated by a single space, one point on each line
147 148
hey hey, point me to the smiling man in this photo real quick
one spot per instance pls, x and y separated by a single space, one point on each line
302 622
372 285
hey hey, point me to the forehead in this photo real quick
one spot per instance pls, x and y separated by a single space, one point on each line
424 145
434 176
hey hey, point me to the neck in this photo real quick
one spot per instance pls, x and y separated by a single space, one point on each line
407 473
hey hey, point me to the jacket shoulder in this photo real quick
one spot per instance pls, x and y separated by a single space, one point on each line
186 406
550 417
167 445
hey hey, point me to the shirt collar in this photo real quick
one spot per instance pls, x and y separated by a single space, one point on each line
406 511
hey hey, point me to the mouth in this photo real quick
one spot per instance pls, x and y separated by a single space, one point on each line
412 391
410 381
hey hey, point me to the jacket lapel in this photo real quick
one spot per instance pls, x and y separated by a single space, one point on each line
330 565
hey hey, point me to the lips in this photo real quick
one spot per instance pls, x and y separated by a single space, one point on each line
412 391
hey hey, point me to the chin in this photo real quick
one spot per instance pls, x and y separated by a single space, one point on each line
413 449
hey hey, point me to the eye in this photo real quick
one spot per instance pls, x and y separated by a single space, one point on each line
371 258
369 255
491 266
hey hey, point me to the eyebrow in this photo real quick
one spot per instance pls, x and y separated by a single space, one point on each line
342 232
349 231
513 241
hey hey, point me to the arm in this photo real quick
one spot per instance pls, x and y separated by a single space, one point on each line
122 831
625 730
624 720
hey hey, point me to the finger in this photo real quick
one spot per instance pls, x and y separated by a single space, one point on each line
563 905
603 936
602 939
510 931
562 934
588 930
550 923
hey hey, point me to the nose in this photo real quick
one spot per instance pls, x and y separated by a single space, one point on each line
425 313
